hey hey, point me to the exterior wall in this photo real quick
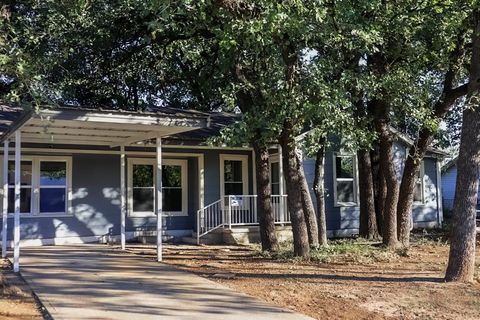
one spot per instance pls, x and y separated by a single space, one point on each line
96 195
345 221
449 181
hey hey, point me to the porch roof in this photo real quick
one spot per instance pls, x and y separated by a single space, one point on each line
87 126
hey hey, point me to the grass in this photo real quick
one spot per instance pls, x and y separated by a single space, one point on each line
344 250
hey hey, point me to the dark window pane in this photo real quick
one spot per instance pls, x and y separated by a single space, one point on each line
53 173
275 188
345 191
233 188
171 176
143 199
233 171
344 167
275 172
25 200
25 173
142 175
172 200
52 200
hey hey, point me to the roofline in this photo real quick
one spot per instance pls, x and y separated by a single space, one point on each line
15 125
29 114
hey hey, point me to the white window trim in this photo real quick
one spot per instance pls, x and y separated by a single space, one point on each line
183 163
422 180
35 198
355 181
275 159
234 157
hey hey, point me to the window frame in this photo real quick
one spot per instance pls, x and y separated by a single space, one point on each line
35 186
421 179
337 203
183 163
275 159
234 157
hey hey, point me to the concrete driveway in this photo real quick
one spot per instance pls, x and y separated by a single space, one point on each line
96 282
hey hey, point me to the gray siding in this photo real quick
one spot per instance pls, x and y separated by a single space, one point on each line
343 221
96 196
449 181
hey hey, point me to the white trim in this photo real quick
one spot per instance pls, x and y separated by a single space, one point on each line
159 197
123 198
354 179
439 193
183 163
234 157
254 173
93 151
35 186
5 199
16 221
422 180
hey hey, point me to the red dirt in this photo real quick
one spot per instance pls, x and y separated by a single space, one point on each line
409 287
16 298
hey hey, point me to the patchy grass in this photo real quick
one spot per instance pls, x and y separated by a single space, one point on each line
363 281
344 250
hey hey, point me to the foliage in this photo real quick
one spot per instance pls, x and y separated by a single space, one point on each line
338 251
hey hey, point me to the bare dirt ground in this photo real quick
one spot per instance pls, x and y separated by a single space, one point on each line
16 298
406 286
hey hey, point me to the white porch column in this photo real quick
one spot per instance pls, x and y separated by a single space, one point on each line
5 199
281 184
16 221
123 197
159 198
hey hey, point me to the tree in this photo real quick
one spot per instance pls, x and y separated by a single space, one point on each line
461 261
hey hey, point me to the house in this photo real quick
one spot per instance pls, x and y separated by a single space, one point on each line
449 181
83 175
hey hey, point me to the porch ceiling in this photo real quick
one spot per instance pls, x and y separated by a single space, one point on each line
97 128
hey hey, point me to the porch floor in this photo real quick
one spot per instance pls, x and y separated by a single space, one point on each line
101 282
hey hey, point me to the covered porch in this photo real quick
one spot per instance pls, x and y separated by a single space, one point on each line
36 186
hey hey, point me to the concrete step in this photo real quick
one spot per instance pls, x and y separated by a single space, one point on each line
203 240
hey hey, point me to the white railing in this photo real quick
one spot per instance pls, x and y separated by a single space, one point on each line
209 218
237 210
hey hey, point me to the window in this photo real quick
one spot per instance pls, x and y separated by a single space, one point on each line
143 188
142 177
53 186
418 195
233 174
45 185
345 179
275 177
26 170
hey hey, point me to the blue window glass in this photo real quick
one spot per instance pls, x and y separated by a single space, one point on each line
52 200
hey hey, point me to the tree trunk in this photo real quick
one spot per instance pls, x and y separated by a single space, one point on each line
319 188
387 169
407 188
461 260
379 188
293 187
266 219
308 208
368 219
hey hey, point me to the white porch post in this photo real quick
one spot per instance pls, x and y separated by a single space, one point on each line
159 198
5 199
16 223
281 184
123 197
